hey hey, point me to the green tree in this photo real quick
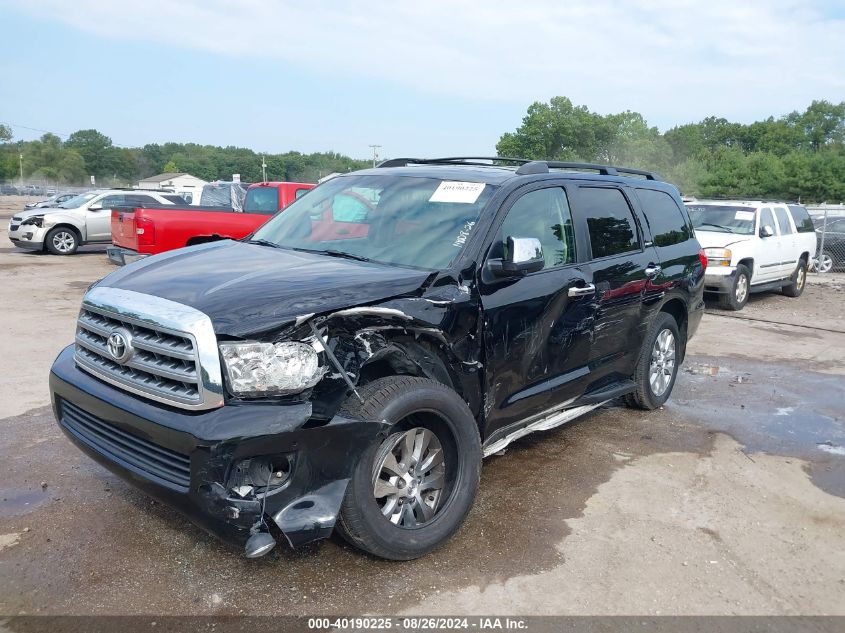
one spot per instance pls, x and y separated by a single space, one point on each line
5 133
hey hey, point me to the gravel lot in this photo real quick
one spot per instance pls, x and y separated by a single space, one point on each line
730 500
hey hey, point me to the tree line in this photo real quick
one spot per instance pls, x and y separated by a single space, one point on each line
89 152
797 156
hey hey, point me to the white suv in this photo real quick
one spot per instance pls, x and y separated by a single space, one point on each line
85 219
752 246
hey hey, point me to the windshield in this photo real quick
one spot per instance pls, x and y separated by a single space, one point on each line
410 221
261 200
722 218
77 201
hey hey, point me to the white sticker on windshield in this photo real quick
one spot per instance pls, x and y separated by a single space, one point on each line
461 192
744 215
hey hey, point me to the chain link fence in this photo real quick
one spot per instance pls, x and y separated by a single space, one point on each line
829 220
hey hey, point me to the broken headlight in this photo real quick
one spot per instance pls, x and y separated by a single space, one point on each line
270 369
35 220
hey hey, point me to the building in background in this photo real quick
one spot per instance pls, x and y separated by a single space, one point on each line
185 185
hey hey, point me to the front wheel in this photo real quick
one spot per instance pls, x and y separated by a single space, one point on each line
412 488
657 366
737 296
62 241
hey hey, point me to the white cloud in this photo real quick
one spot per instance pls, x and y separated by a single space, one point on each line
671 60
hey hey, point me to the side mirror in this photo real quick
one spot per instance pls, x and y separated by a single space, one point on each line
95 208
766 231
525 255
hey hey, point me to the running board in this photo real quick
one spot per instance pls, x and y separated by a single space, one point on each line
545 423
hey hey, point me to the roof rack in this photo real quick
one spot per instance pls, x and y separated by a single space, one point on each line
526 166
453 160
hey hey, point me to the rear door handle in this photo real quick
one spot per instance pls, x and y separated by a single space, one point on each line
652 270
582 291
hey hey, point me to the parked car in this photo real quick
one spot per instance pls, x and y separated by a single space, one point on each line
831 250
9 190
53 201
753 246
141 232
84 219
349 365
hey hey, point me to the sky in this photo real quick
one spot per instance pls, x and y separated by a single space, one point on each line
428 78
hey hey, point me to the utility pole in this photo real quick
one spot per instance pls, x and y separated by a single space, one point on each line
375 153
263 169
20 159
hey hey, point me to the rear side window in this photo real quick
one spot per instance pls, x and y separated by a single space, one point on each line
136 200
299 193
666 221
175 199
783 221
802 219
610 221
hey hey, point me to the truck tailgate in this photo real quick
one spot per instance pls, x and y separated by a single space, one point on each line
123 230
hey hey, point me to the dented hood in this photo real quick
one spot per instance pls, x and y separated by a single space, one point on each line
247 288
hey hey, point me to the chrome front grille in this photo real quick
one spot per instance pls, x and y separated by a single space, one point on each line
165 360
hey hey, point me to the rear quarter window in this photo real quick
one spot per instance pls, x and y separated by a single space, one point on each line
610 221
667 222
801 217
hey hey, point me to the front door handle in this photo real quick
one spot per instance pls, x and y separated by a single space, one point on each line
652 270
582 291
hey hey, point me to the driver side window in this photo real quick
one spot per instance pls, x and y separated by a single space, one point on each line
543 214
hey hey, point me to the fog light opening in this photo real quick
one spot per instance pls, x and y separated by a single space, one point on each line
256 477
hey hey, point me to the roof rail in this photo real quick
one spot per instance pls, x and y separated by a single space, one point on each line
543 167
453 160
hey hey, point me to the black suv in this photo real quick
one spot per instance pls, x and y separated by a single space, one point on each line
349 364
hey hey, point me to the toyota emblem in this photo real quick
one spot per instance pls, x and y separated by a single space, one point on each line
120 346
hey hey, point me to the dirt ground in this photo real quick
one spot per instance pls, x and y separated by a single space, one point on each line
729 500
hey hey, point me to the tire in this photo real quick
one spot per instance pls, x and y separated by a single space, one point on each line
651 394
61 241
797 281
740 289
826 262
384 526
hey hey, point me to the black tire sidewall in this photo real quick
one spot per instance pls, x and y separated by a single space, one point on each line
399 543
48 240
664 322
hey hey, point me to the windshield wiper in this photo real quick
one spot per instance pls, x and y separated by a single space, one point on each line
718 226
264 243
335 253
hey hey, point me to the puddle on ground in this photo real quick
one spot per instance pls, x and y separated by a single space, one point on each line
18 502
770 408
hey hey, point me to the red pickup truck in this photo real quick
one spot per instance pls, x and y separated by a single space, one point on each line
141 231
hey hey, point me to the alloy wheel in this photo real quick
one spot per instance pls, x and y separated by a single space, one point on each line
662 366
64 241
409 477
741 291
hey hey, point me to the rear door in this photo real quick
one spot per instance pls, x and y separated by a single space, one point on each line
536 336
621 265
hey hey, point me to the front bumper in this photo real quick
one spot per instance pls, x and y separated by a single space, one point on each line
141 441
122 256
719 279
27 236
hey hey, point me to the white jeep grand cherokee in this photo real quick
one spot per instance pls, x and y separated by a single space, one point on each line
753 246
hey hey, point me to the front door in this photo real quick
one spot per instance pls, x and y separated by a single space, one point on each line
98 218
537 327
767 265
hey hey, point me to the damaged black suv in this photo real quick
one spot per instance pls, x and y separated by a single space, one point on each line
350 364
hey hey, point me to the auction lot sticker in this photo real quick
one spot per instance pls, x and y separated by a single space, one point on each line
460 192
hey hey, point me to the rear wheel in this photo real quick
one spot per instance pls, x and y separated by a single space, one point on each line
412 488
62 241
657 367
797 281
737 296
